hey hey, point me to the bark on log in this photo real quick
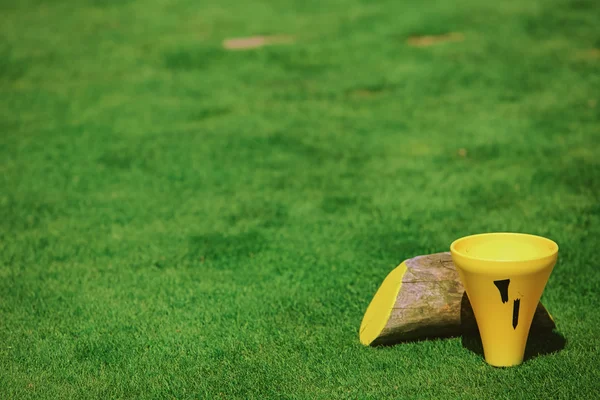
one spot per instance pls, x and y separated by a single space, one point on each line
424 298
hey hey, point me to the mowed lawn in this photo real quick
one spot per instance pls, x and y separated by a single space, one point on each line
179 220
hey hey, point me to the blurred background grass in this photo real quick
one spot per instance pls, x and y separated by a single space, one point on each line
180 220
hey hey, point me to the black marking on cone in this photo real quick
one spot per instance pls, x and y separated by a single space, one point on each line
502 286
516 306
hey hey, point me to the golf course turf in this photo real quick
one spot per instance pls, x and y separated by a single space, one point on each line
183 220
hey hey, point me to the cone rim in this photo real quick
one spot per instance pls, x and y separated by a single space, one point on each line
454 250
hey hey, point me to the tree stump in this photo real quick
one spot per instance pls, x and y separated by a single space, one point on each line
424 298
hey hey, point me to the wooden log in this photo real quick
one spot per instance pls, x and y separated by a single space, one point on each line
424 298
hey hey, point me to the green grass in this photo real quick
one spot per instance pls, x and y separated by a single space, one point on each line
180 221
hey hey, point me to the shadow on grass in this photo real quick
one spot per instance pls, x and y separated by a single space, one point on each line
538 343
543 338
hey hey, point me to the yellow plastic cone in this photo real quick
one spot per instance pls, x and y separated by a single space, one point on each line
504 275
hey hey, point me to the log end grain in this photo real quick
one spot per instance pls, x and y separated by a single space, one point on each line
380 309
